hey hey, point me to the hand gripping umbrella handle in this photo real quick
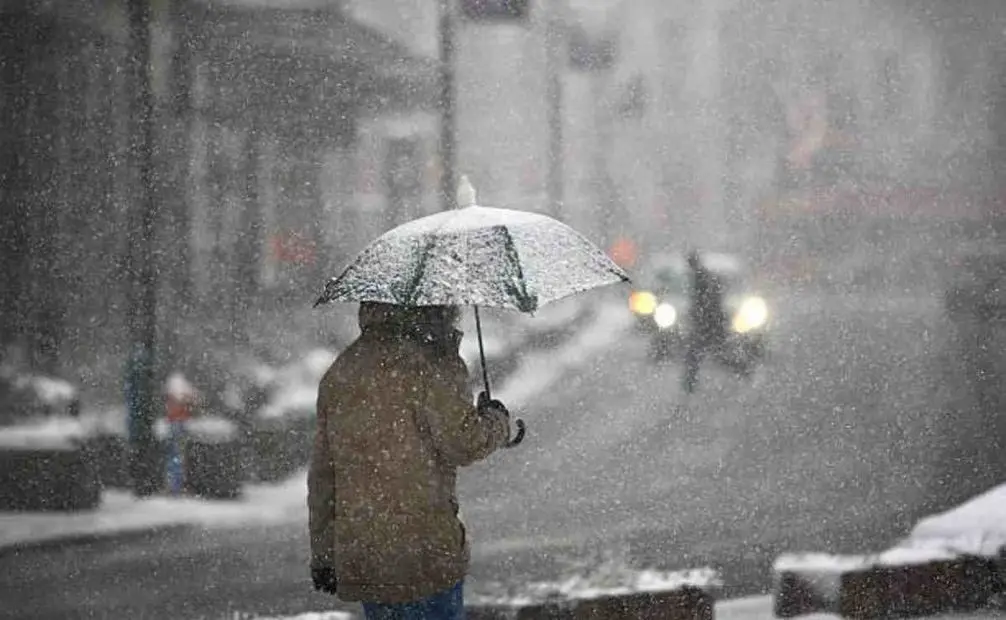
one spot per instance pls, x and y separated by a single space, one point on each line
521 428
519 437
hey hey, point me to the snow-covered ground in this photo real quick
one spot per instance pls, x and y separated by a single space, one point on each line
121 512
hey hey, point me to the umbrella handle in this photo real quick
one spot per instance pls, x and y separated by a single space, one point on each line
521 427
521 430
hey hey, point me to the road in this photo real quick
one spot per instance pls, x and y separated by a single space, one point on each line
846 438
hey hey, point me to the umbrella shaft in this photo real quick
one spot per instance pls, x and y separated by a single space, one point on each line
482 352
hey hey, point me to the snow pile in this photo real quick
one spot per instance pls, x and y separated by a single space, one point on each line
206 429
976 527
901 555
984 515
612 577
120 512
51 391
316 615
44 433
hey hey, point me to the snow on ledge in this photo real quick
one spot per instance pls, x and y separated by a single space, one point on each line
902 555
314 615
46 433
615 581
976 526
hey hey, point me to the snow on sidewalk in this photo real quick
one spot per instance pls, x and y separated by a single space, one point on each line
121 513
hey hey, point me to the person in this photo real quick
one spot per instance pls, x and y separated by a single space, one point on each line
395 423
707 318
180 398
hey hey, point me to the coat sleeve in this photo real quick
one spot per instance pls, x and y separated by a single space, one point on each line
461 434
321 487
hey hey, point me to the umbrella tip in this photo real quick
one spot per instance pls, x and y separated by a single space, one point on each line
466 192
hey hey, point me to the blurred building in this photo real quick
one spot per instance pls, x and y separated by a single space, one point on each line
791 127
503 104
258 107
290 132
280 93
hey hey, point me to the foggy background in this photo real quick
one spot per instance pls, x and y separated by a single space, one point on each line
735 126
850 151
743 125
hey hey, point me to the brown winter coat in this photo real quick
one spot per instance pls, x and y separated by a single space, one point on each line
395 422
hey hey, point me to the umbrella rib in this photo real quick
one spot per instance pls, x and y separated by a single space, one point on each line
525 302
333 284
420 271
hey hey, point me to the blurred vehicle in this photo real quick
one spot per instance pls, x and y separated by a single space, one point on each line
662 297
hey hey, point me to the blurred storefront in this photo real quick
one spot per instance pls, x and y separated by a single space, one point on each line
257 156
280 95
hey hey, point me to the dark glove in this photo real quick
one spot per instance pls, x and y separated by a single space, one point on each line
324 579
486 406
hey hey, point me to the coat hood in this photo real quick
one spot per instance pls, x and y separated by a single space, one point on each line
395 318
432 327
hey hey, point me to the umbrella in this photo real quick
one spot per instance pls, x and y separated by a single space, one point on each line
475 256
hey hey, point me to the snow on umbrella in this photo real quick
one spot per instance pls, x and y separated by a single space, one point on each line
475 256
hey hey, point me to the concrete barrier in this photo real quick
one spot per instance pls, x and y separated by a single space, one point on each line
901 582
645 595
48 479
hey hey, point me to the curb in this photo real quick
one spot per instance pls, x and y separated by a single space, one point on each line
875 587
90 538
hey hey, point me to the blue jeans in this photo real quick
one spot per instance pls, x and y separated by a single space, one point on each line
446 605
176 458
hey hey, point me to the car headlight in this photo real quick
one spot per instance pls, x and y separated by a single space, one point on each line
752 314
643 302
665 316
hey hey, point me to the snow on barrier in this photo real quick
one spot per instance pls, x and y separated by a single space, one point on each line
952 562
638 595
900 582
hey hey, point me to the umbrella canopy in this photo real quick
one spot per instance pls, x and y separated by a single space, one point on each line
475 256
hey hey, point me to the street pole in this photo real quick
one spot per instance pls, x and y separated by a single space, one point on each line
448 101
146 472
554 94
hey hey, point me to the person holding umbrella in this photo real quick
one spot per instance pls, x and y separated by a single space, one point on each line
395 422
395 418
